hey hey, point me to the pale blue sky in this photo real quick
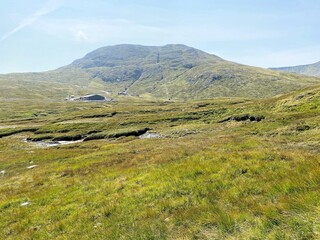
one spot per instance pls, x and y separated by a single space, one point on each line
42 35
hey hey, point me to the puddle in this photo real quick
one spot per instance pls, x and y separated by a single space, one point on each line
46 144
150 135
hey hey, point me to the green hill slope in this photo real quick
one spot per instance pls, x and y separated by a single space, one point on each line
168 72
54 85
309 70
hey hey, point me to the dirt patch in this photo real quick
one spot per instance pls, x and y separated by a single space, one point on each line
46 144
148 135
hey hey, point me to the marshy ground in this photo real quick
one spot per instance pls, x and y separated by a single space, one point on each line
212 172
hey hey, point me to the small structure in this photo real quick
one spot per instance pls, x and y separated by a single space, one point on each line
70 98
93 97
123 93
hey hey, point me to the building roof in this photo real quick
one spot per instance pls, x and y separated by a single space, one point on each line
92 95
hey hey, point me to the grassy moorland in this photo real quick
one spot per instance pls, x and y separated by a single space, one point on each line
222 169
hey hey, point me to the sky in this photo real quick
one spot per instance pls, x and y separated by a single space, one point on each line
44 35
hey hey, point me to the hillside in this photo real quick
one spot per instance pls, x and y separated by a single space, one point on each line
309 70
55 85
167 72
178 71
206 169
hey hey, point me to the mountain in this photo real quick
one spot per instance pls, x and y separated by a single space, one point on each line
309 70
179 71
172 71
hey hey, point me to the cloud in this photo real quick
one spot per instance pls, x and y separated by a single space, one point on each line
101 30
49 7
79 35
110 31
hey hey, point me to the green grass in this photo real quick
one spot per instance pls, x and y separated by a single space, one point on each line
204 179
